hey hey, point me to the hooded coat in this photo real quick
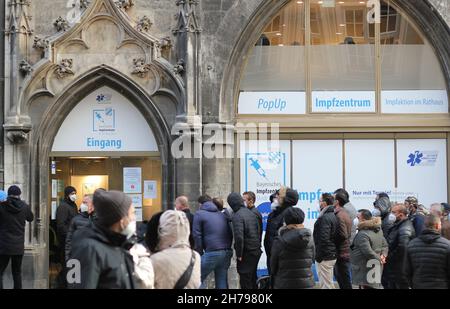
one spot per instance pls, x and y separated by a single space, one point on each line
173 253
292 257
384 205
428 263
369 244
13 215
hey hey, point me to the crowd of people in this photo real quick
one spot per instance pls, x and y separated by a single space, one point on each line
394 246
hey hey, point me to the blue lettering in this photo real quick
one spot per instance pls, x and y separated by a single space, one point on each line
104 144
277 104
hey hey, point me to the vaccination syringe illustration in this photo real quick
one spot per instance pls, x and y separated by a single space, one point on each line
258 168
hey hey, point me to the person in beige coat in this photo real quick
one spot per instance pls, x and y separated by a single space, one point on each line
173 257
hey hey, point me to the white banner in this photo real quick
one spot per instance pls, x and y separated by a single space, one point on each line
343 102
317 168
281 103
105 121
414 102
369 169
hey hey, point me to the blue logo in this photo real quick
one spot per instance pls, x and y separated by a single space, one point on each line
422 158
104 98
415 158
257 167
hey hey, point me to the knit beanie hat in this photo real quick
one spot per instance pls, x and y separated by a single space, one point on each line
111 206
14 190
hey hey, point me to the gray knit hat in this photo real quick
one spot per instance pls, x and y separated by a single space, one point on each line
111 206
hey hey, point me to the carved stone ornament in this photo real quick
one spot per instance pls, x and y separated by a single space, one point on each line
17 136
64 68
61 24
144 24
40 43
140 68
179 67
165 43
25 67
124 4
84 4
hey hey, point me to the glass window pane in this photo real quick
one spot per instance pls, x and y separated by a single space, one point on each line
277 62
344 60
359 16
411 77
392 23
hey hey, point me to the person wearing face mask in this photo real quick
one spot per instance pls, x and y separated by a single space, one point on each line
83 219
382 208
65 212
399 236
103 249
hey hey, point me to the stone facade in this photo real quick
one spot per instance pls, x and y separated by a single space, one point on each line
177 61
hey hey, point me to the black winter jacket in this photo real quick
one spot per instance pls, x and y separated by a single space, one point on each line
78 222
104 259
291 259
428 260
13 214
399 236
325 231
65 212
274 222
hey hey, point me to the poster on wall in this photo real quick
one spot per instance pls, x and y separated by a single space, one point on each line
317 168
139 214
54 206
422 170
369 169
150 189
137 203
54 188
132 180
265 167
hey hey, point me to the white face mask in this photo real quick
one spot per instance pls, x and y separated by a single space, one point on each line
274 204
392 218
84 208
130 230
376 212
73 197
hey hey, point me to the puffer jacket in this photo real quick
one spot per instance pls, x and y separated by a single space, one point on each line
104 259
418 221
384 205
369 244
325 231
14 213
78 222
274 223
211 229
399 236
429 261
292 257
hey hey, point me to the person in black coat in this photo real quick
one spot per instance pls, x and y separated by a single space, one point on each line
293 254
428 262
325 232
287 198
83 219
249 200
13 215
103 249
65 212
399 236
247 242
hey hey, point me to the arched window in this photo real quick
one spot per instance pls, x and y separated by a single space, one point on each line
326 56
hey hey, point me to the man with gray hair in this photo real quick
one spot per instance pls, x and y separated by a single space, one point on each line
428 257
182 204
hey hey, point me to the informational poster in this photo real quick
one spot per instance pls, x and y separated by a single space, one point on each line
317 168
54 206
136 200
265 168
369 169
150 189
139 215
54 188
132 179
422 170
